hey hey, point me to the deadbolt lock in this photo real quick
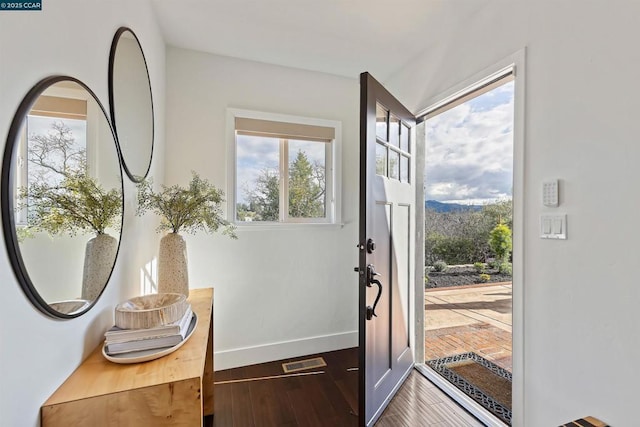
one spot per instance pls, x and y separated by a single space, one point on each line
371 246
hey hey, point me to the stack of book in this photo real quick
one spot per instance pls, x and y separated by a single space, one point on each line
119 341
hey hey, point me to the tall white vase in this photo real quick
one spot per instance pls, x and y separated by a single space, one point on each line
172 265
99 257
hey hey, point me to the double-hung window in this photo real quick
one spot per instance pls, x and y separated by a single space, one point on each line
285 169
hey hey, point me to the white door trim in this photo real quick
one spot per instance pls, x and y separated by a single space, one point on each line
517 62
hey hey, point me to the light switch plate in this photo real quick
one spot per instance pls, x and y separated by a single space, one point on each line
553 226
550 193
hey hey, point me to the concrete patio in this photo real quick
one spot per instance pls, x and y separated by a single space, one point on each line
469 318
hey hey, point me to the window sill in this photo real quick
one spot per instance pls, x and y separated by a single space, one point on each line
241 226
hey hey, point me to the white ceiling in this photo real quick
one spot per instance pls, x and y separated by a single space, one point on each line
342 37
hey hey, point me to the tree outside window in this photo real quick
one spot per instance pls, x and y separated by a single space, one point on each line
259 198
280 178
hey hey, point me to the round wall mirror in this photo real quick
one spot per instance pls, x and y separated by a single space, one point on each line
131 104
62 197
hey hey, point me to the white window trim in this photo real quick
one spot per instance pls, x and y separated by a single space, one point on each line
92 136
93 118
333 176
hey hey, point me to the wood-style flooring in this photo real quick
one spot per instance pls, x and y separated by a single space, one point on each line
326 399
420 403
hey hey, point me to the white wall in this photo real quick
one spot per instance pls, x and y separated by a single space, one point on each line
68 37
580 316
581 320
278 293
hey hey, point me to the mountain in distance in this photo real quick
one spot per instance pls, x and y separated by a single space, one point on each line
449 207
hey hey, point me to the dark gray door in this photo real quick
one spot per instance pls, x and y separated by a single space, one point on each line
387 225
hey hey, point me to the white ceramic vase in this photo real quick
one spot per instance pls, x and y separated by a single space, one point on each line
172 265
99 257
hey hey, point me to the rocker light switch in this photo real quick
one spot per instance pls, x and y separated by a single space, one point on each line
553 226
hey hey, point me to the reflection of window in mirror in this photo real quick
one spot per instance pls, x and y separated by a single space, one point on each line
55 140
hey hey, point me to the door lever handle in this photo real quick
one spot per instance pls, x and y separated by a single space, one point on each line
371 311
371 274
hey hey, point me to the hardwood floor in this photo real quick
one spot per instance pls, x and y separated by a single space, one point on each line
326 399
420 403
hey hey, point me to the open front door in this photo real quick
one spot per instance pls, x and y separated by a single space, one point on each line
386 263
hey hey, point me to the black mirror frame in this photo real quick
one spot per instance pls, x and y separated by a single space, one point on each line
112 110
7 196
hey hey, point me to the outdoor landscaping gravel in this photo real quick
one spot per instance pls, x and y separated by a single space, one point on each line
462 275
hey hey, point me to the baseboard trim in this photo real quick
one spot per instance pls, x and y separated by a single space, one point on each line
245 356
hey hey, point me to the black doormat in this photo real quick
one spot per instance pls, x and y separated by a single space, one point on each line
482 380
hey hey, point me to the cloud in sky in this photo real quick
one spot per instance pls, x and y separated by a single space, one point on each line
469 151
254 154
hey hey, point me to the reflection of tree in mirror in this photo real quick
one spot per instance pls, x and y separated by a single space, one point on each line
77 204
306 187
60 197
55 155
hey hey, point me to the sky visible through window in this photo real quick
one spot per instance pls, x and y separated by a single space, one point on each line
469 151
256 154
253 155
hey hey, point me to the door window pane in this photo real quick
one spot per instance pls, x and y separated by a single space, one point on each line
404 169
394 165
404 138
381 122
394 131
381 159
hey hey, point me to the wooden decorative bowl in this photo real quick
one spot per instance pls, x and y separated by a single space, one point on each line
150 311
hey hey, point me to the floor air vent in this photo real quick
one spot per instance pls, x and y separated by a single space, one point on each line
301 365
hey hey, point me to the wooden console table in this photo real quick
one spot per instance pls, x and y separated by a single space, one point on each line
175 390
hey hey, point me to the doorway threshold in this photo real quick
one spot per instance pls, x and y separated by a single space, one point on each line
459 397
